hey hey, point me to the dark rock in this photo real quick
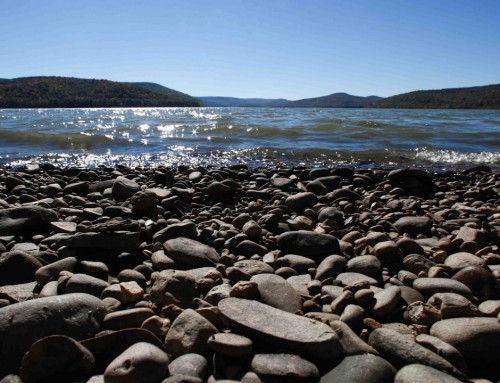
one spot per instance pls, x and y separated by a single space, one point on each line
56 358
229 344
247 248
361 368
51 271
140 363
313 245
17 267
280 328
189 333
191 252
417 263
186 229
124 188
400 351
351 343
430 286
253 267
332 214
452 305
143 201
277 292
446 350
289 366
123 319
17 219
479 280
75 315
105 241
365 264
83 283
418 373
413 225
194 365
330 267
300 201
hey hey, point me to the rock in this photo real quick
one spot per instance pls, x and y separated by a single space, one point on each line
253 230
332 214
490 308
301 201
350 278
475 338
194 365
479 280
414 181
361 368
162 262
418 373
385 301
123 319
351 343
75 315
331 266
413 225
344 194
230 344
400 351
446 350
83 283
460 260
157 325
124 188
280 328
51 271
248 248
297 262
275 291
452 305
17 267
189 333
417 263
107 347
17 219
191 252
143 201
18 293
308 244
105 241
365 264
287 366
140 363
430 286
253 267
56 358
300 283
469 234
186 229
217 293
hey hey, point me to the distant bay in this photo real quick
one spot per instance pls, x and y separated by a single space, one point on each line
255 136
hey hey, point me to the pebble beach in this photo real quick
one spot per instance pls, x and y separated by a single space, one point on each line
241 274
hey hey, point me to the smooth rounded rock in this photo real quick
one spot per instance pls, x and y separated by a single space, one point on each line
331 266
174 287
280 328
430 286
191 252
230 344
365 264
361 368
140 363
418 373
194 365
275 291
78 316
288 366
308 244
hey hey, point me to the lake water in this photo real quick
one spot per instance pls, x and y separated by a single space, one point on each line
256 136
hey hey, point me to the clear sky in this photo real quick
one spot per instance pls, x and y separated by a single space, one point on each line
257 48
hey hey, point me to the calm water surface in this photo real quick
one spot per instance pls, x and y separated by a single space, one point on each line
256 136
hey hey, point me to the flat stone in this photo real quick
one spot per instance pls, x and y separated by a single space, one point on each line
17 219
194 365
361 368
75 315
431 286
413 225
83 283
300 201
275 291
253 267
297 262
350 278
475 338
140 363
446 350
191 252
19 292
401 350
490 308
288 366
280 328
452 305
308 244
351 343
418 373
417 263
56 358
230 344
189 333
300 283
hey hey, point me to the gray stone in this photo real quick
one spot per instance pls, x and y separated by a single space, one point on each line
288 366
300 201
124 188
75 315
351 343
413 225
51 271
418 373
462 259
446 350
275 291
189 333
361 368
313 245
123 319
417 263
331 266
475 338
189 365
385 301
350 278
300 283
365 264
280 328
140 363
16 219
453 305
400 350
56 358
253 267
230 344
83 283
186 229
191 252
431 286
297 262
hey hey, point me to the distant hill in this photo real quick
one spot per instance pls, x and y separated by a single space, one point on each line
241 102
335 100
160 89
478 97
69 92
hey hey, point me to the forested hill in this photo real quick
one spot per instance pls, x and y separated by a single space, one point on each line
335 100
479 97
68 92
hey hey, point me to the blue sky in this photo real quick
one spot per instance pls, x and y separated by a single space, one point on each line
283 48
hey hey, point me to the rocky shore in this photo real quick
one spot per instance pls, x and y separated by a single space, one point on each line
249 275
